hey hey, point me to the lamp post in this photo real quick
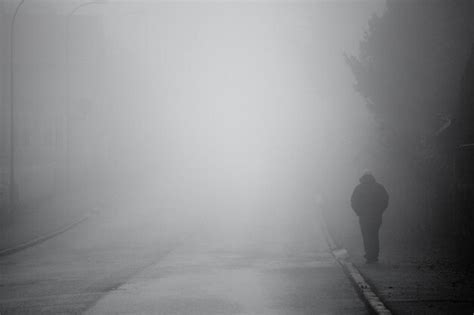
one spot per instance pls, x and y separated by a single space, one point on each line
13 185
69 75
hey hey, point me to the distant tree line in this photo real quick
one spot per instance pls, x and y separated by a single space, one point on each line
415 69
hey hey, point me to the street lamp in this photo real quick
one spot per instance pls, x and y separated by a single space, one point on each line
13 186
69 75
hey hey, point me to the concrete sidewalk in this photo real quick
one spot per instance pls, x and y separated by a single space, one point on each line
416 278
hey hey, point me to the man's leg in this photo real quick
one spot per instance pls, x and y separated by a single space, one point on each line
364 228
373 246
376 242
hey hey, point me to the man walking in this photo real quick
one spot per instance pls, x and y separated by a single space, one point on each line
369 200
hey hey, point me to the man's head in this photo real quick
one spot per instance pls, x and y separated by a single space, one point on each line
367 177
367 172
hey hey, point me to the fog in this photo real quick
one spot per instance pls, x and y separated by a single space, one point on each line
223 157
235 122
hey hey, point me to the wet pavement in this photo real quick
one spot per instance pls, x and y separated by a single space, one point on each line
70 272
227 283
122 266
211 279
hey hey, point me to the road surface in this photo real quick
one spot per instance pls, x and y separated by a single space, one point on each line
70 272
129 268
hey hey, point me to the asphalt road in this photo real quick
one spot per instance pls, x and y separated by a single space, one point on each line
129 267
69 273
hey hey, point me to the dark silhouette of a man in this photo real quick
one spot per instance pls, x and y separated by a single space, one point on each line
369 200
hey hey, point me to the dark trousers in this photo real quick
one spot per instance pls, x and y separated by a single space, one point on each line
370 234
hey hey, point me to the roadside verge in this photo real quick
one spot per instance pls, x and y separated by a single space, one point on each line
42 238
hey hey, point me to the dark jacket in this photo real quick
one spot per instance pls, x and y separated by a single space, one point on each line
369 199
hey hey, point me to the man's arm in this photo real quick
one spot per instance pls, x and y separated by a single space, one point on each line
384 199
355 201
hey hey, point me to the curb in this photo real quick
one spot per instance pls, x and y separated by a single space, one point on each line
363 288
40 239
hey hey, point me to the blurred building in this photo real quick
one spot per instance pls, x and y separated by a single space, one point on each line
56 66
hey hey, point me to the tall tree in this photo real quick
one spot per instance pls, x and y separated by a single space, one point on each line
409 70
